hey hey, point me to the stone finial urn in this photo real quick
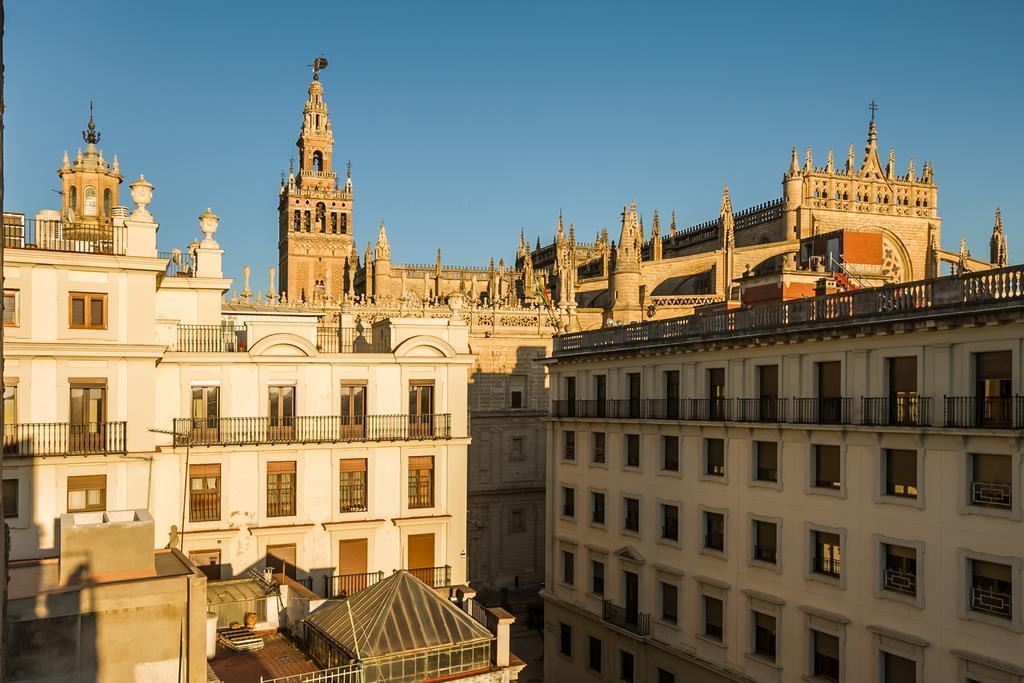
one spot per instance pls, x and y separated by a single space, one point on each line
208 221
142 195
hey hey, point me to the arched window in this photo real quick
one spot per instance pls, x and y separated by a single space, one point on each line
90 201
334 223
318 161
108 202
344 223
298 220
321 217
305 221
73 198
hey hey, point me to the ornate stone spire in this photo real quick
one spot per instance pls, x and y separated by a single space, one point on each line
830 166
890 168
672 226
627 252
728 223
656 238
871 166
809 163
997 245
794 165
849 160
383 250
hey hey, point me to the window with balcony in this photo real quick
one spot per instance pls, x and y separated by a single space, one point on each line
10 309
353 410
824 656
596 508
900 472
991 481
281 412
633 389
352 485
597 577
714 531
764 635
670 453
594 654
87 417
993 390
899 571
827 467
204 492
87 493
565 640
991 589
599 447
569 445
896 669
205 414
766 538
670 522
281 488
626 666
669 602
716 393
10 409
830 393
421 408
713 618
600 395
568 567
714 457
421 481
768 393
87 311
904 403
825 555
10 492
568 501
766 461
570 396
631 508
632 450
671 410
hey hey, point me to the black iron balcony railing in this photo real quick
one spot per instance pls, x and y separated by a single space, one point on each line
766 409
345 585
352 496
64 438
632 620
204 506
765 554
306 582
435 577
992 597
228 338
996 494
900 580
985 412
63 235
896 411
828 566
241 431
821 410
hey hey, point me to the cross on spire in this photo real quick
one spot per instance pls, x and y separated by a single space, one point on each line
872 107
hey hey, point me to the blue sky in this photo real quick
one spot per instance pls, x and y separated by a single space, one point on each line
466 121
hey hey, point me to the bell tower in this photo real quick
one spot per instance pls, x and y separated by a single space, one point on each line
89 189
315 251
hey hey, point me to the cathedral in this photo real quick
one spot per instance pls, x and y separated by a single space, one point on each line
836 227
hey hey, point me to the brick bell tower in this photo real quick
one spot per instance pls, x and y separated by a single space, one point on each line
315 247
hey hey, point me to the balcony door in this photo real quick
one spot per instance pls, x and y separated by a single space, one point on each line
716 393
352 567
205 414
631 595
672 394
421 409
282 559
281 413
353 411
767 392
421 557
993 387
600 393
830 392
87 418
633 387
903 405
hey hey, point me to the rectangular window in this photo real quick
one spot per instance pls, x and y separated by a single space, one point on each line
900 571
632 450
281 413
765 541
991 588
594 654
626 666
87 415
900 473
766 461
569 452
421 481
672 404
599 447
670 453
87 311
764 635
11 307
827 555
601 394
421 409
568 501
10 498
10 407
517 392
281 488
716 394
352 489
991 482
713 615
670 522
714 531
669 602
666 676
208 562
904 407
568 567
565 639
827 467
353 410
205 413
87 494
825 656
633 387
597 577
714 457
516 521
631 508
896 669
596 507
204 493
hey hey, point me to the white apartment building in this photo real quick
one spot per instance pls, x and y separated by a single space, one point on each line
255 434
823 489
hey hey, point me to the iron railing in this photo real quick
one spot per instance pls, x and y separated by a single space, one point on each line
306 582
241 431
631 620
345 585
992 597
996 494
900 581
821 410
987 288
826 565
63 235
896 411
352 496
64 438
985 412
765 409
435 577
179 263
227 338
204 506
349 673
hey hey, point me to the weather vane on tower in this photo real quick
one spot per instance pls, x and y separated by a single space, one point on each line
91 136
319 63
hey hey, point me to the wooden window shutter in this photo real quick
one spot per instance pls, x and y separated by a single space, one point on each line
96 481
10 308
353 465
421 462
78 310
204 470
281 467
96 305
